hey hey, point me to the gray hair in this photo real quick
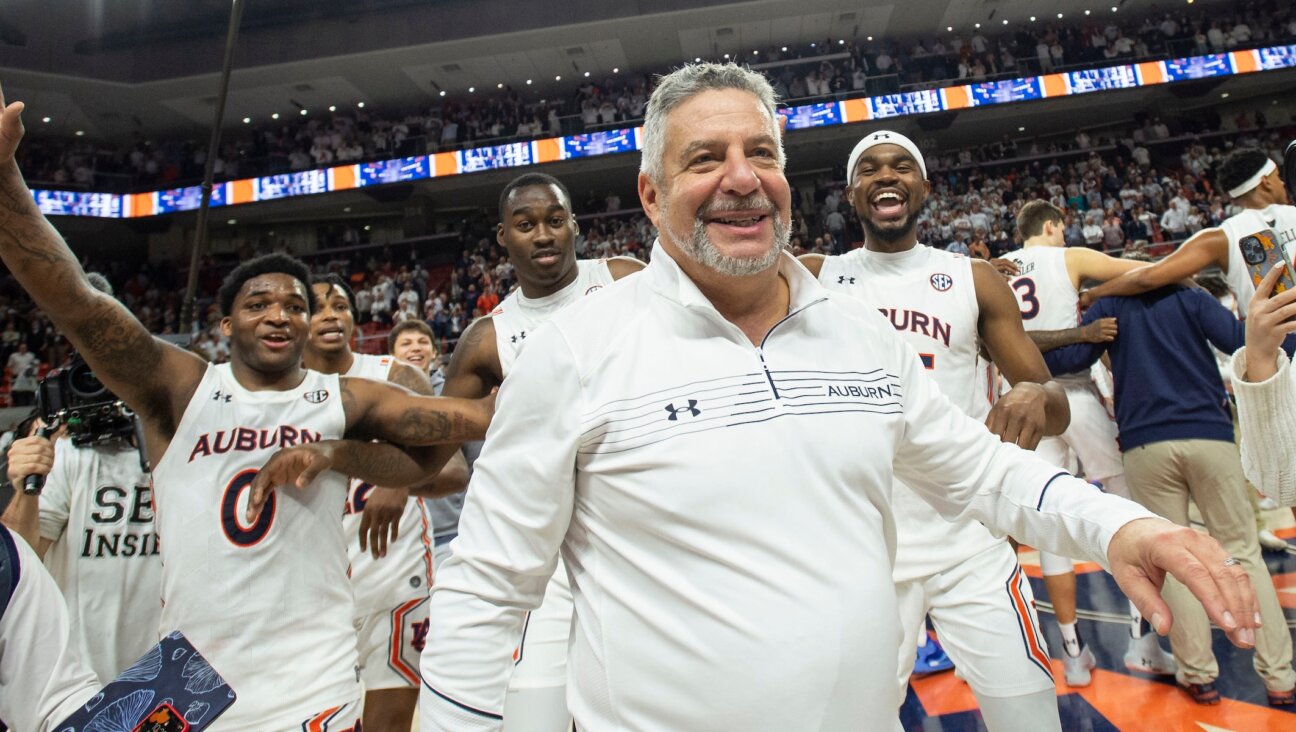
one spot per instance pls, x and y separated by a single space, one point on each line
686 82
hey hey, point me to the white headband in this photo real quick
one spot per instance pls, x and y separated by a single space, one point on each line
883 137
1253 181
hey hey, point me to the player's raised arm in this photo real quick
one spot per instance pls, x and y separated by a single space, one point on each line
1209 246
116 346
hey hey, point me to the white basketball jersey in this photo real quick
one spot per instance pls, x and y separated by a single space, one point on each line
268 602
406 572
519 314
1279 219
97 508
1048 299
929 297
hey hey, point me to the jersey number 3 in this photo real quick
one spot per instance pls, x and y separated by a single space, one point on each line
1030 305
232 516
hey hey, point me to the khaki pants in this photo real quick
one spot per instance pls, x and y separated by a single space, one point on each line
1162 476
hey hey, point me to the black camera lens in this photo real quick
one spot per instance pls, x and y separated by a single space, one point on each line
84 383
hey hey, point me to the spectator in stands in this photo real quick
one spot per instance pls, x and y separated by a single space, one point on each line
23 367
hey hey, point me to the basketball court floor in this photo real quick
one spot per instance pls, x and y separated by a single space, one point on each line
1119 699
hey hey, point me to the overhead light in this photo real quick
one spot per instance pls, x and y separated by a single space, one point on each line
247 120
368 227
586 74
1005 21
528 84
346 209
46 120
501 84
360 105
274 116
231 222
1087 12
812 45
1021 129
1113 8
726 55
785 49
558 78
841 42
697 60
1224 95
1059 16
303 113
976 25
443 90
1032 19
949 28
472 89
755 53
80 133
616 69
332 107
870 38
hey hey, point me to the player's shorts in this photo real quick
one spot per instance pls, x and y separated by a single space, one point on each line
984 614
341 718
390 644
1092 435
541 658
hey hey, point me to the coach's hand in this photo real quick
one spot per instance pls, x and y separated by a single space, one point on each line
1005 267
1143 551
380 519
296 466
1020 415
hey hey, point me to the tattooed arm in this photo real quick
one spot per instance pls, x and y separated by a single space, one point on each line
116 346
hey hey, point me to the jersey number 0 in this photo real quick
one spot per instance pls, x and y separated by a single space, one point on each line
231 517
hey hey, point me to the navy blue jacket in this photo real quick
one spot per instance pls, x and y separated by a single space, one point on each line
1168 385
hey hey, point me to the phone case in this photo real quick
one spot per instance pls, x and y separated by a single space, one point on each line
1261 252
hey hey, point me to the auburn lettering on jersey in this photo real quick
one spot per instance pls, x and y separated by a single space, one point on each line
244 439
918 322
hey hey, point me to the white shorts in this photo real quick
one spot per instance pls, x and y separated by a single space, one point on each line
541 658
342 718
390 643
984 613
1092 434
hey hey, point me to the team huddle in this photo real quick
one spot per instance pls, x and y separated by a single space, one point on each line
718 492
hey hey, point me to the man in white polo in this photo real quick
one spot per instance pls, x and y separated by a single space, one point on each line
711 446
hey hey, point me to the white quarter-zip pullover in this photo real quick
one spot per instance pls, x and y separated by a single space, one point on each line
724 512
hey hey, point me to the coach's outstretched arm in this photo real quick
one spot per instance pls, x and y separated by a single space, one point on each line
119 349
964 472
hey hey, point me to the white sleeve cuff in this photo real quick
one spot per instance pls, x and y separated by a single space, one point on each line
1266 423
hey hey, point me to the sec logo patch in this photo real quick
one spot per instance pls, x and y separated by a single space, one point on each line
941 282
316 397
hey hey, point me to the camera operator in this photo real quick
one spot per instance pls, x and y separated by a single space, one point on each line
93 527
93 522
43 677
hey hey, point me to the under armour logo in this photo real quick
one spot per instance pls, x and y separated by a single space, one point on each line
517 337
843 279
675 412
218 396
882 136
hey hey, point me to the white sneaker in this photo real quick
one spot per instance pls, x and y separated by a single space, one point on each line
1146 655
1271 542
1267 504
1076 670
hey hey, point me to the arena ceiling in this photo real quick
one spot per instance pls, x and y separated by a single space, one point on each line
115 67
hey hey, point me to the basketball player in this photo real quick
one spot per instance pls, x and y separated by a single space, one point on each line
669 437
538 229
414 342
264 597
1252 181
949 307
390 583
1047 287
